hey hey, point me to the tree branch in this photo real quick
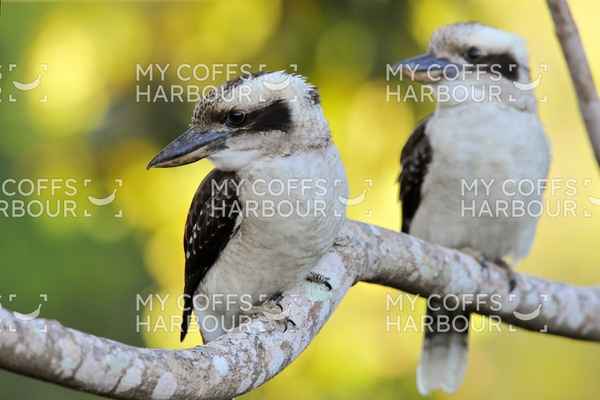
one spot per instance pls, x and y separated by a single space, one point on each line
579 68
246 358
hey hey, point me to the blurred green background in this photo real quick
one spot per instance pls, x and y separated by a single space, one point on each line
84 122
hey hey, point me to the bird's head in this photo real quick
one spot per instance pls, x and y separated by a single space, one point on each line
249 118
472 54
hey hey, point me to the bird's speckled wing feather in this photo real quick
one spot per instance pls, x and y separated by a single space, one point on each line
415 158
211 222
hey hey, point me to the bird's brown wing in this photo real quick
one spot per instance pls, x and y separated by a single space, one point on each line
415 159
211 222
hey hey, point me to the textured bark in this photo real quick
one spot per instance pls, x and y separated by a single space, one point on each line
579 68
246 358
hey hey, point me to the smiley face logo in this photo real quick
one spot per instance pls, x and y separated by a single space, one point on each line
30 316
104 201
277 83
594 200
529 86
280 81
530 316
26 86
359 199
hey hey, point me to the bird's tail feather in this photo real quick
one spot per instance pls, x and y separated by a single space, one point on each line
445 346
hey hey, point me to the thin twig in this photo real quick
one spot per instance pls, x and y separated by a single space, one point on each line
579 68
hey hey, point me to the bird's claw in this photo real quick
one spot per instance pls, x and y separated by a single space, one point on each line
512 283
315 277
269 309
272 310
510 274
290 322
485 264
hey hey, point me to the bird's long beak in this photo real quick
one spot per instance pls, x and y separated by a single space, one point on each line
427 68
193 145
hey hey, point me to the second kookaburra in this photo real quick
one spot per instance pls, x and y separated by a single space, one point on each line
463 169
261 220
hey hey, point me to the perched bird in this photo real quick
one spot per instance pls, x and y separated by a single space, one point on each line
462 170
271 208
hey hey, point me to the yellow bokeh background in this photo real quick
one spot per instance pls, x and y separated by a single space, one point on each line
91 125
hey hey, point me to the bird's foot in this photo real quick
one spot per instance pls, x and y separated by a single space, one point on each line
474 253
272 310
485 263
510 273
315 277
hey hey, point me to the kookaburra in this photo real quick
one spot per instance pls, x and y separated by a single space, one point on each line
467 171
270 209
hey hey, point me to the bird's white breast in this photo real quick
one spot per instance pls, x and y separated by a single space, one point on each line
473 146
297 215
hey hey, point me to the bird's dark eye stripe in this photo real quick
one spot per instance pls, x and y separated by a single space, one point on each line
275 116
504 64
